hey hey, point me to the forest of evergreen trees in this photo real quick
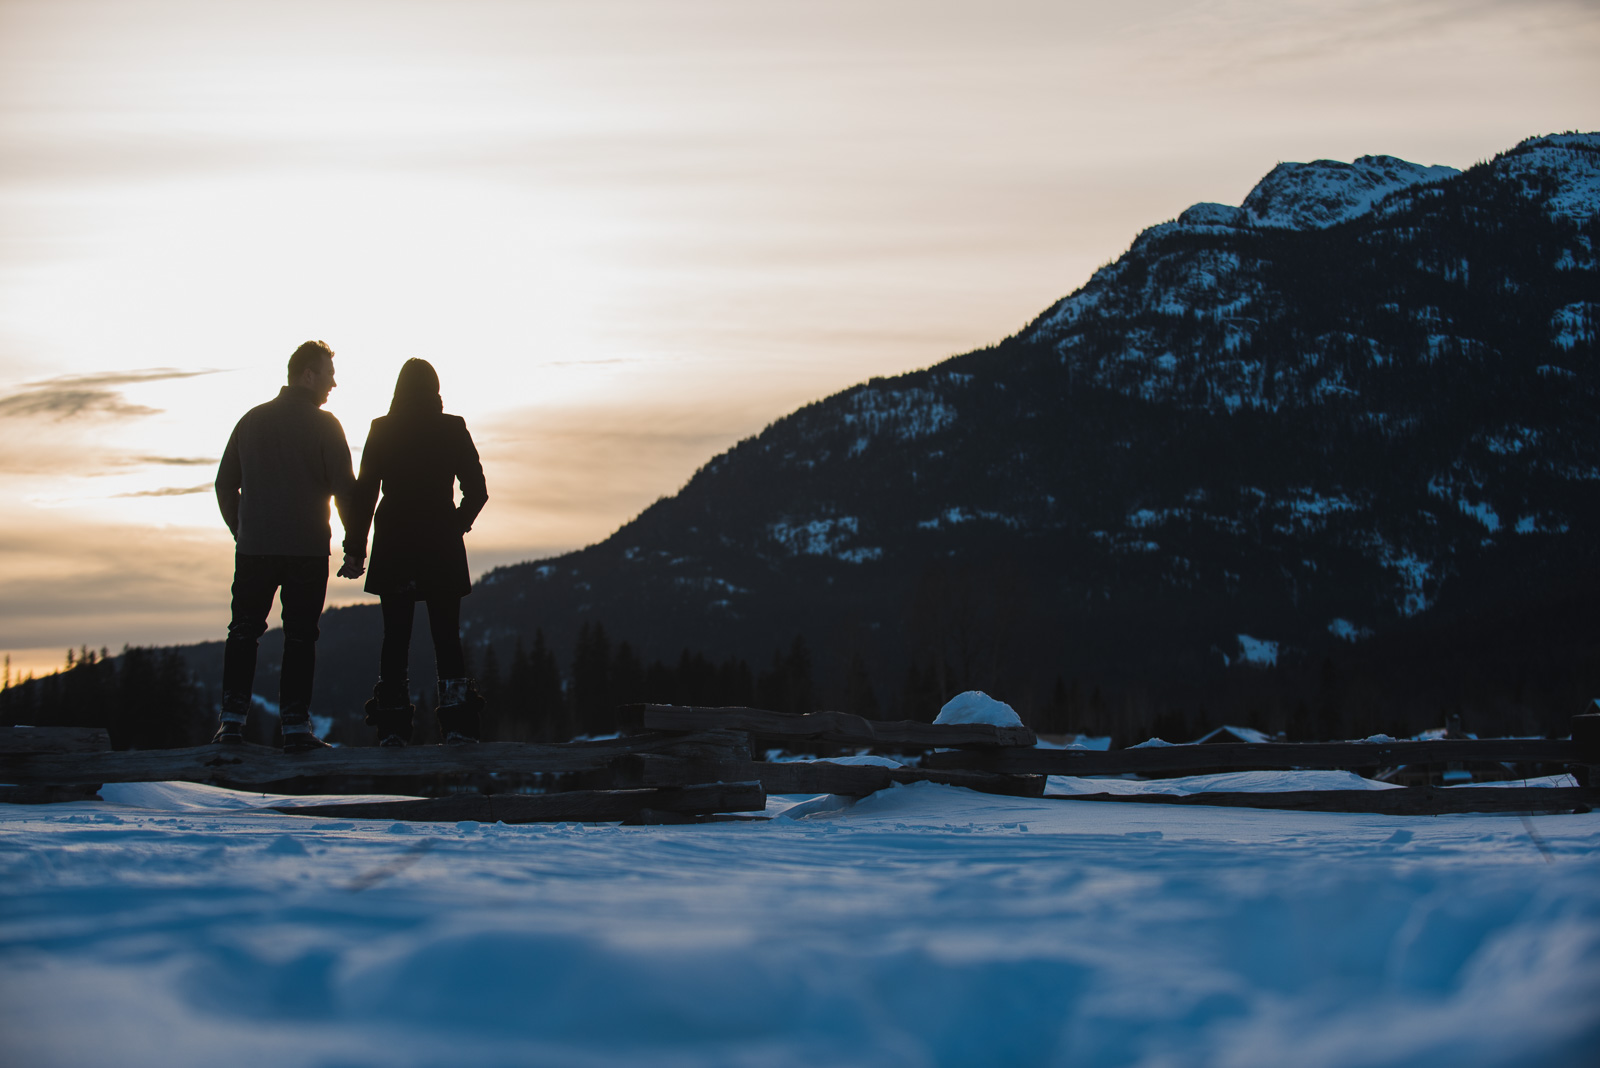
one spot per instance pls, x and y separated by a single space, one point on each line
529 698
145 698
148 698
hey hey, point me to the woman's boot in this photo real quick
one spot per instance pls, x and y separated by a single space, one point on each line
459 708
389 710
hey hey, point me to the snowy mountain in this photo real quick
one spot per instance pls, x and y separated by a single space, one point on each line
1340 431
1306 196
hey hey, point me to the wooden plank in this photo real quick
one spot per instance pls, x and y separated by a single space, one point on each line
583 806
54 740
253 765
1404 801
1180 758
838 728
48 794
859 780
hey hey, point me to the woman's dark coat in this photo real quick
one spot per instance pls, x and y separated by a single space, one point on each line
416 458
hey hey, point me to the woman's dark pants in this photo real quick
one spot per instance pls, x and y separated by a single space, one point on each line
444 621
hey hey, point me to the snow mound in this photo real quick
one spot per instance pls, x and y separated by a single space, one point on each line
1230 733
195 797
1313 196
975 706
867 761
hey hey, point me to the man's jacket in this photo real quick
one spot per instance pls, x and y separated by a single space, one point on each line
284 460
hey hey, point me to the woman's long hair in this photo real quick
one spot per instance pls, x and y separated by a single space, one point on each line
416 391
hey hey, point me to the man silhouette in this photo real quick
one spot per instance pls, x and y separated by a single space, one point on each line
284 460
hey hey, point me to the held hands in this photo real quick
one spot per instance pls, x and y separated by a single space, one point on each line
353 567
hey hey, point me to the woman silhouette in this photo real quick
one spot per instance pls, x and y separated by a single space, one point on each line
414 455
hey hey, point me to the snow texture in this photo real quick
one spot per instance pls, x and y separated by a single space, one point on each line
975 706
1348 631
1229 733
1257 652
822 537
1307 196
1568 162
922 926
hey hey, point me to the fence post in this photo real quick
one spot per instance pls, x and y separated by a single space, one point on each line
1586 736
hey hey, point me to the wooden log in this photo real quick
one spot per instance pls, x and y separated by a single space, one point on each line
253 765
54 740
1193 758
859 780
837 728
1403 801
582 806
48 794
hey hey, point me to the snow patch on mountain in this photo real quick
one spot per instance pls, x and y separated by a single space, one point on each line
818 537
1574 324
1560 170
1257 652
1345 630
1414 573
1209 214
1307 196
905 414
956 515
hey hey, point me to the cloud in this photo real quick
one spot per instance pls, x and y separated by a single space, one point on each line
169 491
66 403
86 425
68 396
106 584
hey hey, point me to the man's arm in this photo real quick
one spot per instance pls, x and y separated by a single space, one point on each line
342 481
230 481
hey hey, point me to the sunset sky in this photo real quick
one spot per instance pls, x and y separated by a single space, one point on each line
627 233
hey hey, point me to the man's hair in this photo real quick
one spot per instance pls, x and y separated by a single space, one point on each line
306 358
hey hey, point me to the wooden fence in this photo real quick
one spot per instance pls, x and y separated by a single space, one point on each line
679 763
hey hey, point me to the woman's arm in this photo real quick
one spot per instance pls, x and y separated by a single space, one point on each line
363 500
469 471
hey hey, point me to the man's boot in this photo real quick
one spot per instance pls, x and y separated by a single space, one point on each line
230 721
295 720
459 708
390 710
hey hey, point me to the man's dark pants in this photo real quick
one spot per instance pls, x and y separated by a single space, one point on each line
303 581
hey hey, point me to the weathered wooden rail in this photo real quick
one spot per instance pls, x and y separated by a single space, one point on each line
676 749
834 728
1261 756
254 765
682 759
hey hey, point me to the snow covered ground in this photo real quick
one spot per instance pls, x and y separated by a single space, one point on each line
926 925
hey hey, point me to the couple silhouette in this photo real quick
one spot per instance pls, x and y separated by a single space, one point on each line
284 461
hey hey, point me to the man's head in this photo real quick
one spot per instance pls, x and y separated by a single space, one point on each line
311 367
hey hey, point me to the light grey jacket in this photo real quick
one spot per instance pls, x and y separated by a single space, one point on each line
284 460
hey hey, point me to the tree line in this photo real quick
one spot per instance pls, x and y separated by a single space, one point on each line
528 698
145 698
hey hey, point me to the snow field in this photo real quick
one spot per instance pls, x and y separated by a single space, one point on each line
924 925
